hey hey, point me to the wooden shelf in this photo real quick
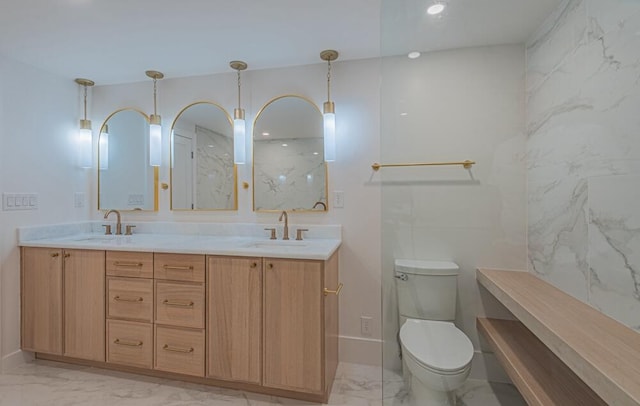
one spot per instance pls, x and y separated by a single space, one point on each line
604 353
541 377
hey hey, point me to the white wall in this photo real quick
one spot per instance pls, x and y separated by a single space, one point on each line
39 117
355 90
453 106
583 152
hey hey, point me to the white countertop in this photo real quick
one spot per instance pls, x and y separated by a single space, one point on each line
248 246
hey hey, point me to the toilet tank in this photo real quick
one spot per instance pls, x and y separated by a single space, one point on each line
426 289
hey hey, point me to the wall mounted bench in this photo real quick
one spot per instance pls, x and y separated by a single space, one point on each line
560 351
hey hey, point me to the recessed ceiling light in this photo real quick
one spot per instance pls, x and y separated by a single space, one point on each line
435 9
265 134
315 153
211 146
404 114
285 145
414 55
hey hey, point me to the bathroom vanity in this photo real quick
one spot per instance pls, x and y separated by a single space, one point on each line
240 312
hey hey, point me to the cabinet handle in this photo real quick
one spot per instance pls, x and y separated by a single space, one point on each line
270 266
178 303
67 255
167 347
55 255
128 299
178 268
334 292
129 264
128 343
253 265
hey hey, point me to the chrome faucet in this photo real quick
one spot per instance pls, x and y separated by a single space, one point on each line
285 234
118 224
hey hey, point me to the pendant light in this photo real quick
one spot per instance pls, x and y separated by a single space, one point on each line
329 110
239 127
103 148
85 138
155 124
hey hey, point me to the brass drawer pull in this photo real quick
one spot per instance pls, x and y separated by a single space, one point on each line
128 299
334 292
167 347
128 343
253 265
177 303
128 264
178 268
55 255
67 255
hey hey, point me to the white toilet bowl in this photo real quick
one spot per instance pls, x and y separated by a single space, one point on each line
438 356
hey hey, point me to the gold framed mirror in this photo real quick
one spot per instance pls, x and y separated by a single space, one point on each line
203 175
126 181
289 171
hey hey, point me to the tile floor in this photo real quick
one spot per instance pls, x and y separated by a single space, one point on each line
55 384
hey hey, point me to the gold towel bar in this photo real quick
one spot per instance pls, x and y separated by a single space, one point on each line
466 164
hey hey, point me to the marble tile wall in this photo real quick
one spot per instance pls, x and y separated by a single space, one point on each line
583 154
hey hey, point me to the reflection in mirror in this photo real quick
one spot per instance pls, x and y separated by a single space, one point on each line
126 181
289 172
203 175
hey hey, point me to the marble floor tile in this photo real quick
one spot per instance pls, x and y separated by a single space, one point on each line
56 384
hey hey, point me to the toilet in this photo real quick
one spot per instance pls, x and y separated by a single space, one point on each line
436 355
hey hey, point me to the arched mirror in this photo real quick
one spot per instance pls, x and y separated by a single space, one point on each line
126 181
289 172
203 176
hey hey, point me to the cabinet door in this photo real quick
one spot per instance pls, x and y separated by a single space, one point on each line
84 309
234 321
293 315
42 300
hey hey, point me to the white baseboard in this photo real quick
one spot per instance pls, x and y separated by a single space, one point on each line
358 350
16 359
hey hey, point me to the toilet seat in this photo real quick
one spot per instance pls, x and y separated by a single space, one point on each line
438 346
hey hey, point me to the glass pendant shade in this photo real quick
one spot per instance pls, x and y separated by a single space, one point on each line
329 117
84 141
155 141
103 148
239 137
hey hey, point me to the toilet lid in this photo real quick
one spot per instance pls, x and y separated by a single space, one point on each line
438 345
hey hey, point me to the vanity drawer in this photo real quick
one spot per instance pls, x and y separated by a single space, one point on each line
130 298
180 304
130 343
180 350
179 267
130 264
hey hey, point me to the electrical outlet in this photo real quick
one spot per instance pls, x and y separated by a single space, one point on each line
365 325
338 199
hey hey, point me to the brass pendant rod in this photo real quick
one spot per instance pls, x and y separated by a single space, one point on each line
329 80
155 89
239 90
465 164
85 102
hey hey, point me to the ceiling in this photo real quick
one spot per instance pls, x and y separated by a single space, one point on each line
115 41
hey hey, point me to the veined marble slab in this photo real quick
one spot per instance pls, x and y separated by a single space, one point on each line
319 243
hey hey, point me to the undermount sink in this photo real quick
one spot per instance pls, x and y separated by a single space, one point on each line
277 244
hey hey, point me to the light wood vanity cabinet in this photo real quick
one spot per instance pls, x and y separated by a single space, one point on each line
260 324
63 288
179 313
130 308
234 320
41 306
301 325
84 312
